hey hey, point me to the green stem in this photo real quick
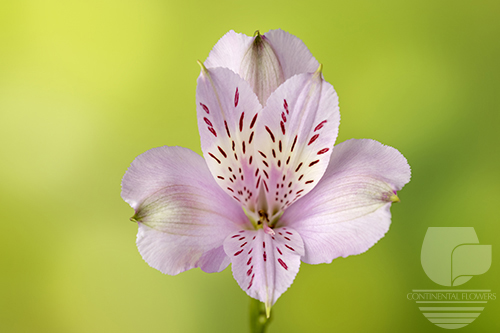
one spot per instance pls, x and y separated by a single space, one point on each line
258 319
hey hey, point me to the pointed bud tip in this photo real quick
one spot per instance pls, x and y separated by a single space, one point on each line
204 70
319 70
256 33
268 310
394 198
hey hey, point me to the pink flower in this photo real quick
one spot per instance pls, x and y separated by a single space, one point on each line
272 190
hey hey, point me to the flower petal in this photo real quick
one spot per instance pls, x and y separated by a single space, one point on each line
293 54
227 113
348 211
265 61
261 68
183 215
296 134
229 51
264 265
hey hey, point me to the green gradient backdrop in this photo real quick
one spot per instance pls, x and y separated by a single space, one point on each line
85 86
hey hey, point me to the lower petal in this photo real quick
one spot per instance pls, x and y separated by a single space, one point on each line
183 215
265 263
348 211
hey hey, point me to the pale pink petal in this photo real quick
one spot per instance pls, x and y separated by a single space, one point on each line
264 264
293 54
264 61
348 211
183 214
227 112
261 68
295 136
229 51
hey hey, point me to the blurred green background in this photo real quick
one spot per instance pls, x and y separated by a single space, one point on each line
86 86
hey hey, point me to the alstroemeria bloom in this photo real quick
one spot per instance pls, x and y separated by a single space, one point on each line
272 190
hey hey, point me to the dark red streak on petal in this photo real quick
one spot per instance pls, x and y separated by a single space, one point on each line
314 137
251 281
251 138
320 125
294 142
282 127
283 264
313 162
283 116
237 253
208 122
222 152
211 129
236 97
322 151
205 108
227 129
215 158
270 133
291 248
253 121
241 121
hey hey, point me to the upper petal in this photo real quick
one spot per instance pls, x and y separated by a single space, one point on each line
227 112
229 51
296 134
293 54
348 211
183 214
264 265
265 61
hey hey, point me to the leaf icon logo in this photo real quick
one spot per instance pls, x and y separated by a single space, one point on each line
452 256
